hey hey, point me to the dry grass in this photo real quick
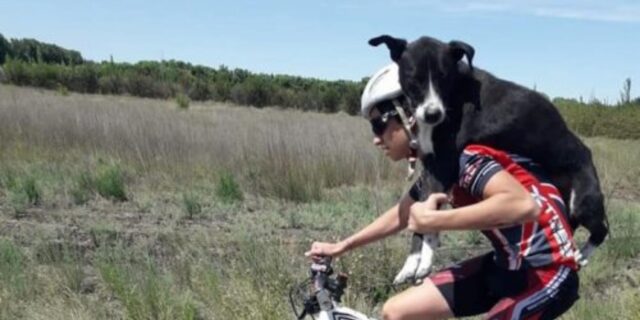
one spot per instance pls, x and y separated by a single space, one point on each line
274 152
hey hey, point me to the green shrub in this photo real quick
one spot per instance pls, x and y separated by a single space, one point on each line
8 179
62 90
191 205
145 290
596 119
183 101
23 192
11 258
228 189
12 264
31 190
109 182
83 188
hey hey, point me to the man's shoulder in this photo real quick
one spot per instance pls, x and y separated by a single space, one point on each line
480 149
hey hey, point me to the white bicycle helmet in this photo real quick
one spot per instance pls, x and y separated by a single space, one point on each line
383 85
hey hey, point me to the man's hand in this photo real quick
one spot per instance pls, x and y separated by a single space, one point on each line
422 213
320 249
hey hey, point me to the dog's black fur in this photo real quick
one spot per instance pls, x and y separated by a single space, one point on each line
481 108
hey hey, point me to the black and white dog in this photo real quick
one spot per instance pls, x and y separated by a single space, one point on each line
457 104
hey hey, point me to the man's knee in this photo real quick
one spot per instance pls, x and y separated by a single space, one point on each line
389 311
395 310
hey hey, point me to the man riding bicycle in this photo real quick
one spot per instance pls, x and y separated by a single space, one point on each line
532 271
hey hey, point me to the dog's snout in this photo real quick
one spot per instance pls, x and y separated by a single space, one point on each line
432 115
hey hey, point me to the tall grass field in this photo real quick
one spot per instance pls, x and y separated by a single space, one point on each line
115 207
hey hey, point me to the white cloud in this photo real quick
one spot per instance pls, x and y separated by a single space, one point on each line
612 10
603 13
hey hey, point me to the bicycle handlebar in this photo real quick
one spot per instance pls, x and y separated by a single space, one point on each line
327 289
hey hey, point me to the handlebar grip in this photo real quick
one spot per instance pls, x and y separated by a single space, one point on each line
326 260
324 265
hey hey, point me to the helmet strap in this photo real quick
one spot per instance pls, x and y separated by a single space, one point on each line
407 124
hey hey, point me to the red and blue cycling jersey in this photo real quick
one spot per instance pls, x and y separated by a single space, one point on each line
546 241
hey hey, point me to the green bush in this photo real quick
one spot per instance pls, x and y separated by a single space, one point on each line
11 258
191 205
8 179
109 182
596 119
182 101
228 190
23 192
83 188
145 291
112 84
31 190
12 264
62 90
106 180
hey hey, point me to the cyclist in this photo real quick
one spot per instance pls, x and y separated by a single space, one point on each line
532 271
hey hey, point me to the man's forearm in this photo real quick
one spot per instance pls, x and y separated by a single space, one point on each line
496 212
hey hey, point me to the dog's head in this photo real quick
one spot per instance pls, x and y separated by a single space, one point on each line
428 69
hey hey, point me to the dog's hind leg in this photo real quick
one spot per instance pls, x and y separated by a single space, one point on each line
587 208
408 271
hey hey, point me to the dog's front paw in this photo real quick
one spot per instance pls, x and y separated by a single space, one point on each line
424 268
429 243
408 271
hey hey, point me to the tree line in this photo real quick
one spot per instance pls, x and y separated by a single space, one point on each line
31 50
28 62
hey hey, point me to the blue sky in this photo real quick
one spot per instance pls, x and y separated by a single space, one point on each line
567 48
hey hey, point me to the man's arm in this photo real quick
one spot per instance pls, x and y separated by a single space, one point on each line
505 202
392 221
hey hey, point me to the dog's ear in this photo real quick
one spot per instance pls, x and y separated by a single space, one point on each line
459 49
396 45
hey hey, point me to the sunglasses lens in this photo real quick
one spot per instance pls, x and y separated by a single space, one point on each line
378 126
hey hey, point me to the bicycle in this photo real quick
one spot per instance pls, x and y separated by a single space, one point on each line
322 295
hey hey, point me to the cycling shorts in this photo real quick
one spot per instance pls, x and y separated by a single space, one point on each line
478 286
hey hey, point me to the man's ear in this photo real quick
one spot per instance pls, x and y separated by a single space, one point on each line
458 49
396 45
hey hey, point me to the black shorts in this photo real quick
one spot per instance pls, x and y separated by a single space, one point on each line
479 286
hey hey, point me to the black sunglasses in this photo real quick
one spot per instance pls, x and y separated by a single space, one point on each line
379 124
